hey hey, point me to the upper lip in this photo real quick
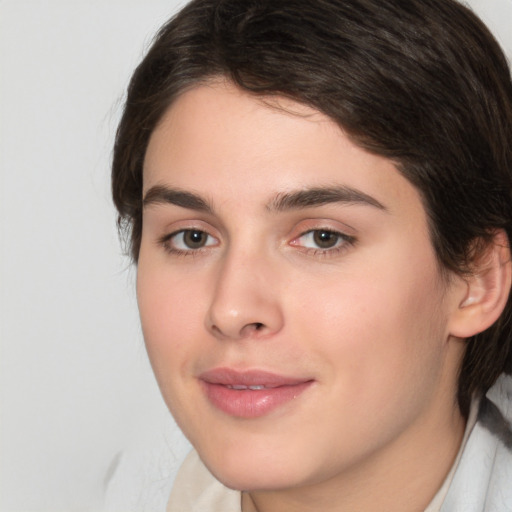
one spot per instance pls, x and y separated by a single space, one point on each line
232 377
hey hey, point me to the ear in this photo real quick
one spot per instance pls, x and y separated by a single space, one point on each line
483 295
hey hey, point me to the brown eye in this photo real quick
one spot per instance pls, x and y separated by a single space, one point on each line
194 239
188 240
325 239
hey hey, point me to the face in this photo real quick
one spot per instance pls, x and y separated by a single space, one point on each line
291 302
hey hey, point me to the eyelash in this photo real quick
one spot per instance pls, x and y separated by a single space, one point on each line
166 242
343 242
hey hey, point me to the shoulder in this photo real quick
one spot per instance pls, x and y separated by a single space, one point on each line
483 478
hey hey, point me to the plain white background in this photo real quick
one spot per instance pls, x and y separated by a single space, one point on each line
82 424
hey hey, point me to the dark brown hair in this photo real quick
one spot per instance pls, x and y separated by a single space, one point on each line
422 82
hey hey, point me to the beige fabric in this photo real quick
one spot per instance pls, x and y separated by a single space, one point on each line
197 490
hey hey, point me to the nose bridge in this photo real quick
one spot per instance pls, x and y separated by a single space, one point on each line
246 301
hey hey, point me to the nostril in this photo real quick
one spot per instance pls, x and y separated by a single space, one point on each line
258 326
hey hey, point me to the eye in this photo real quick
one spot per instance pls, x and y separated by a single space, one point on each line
322 239
188 240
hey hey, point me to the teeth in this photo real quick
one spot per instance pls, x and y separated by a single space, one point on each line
239 387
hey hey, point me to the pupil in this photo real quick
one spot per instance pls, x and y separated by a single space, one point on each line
325 239
194 239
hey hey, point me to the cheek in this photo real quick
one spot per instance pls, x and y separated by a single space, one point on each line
169 312
379 328
380 347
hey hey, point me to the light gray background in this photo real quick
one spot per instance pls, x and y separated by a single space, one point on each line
82 424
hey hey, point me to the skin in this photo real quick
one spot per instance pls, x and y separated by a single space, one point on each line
368 320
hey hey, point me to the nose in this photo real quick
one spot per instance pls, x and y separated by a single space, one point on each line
246 300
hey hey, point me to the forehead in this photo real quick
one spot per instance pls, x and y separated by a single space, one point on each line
221 121
227 145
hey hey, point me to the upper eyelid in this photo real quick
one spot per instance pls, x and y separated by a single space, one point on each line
323 224
177 226
337 232
175 232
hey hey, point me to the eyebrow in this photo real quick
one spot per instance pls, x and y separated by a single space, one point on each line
307 198
318 196
160 194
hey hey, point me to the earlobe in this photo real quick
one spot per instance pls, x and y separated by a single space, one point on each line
486 289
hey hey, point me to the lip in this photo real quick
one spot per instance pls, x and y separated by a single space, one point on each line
251 393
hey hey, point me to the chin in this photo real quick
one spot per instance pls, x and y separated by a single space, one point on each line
260 480
246 472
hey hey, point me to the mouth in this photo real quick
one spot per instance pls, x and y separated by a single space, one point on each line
250 394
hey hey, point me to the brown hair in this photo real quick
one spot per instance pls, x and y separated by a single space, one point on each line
421 82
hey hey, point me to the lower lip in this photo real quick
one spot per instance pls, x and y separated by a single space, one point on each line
248 403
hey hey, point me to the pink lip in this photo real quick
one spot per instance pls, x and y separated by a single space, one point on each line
224 387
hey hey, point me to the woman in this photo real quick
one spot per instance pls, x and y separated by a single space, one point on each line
318 200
